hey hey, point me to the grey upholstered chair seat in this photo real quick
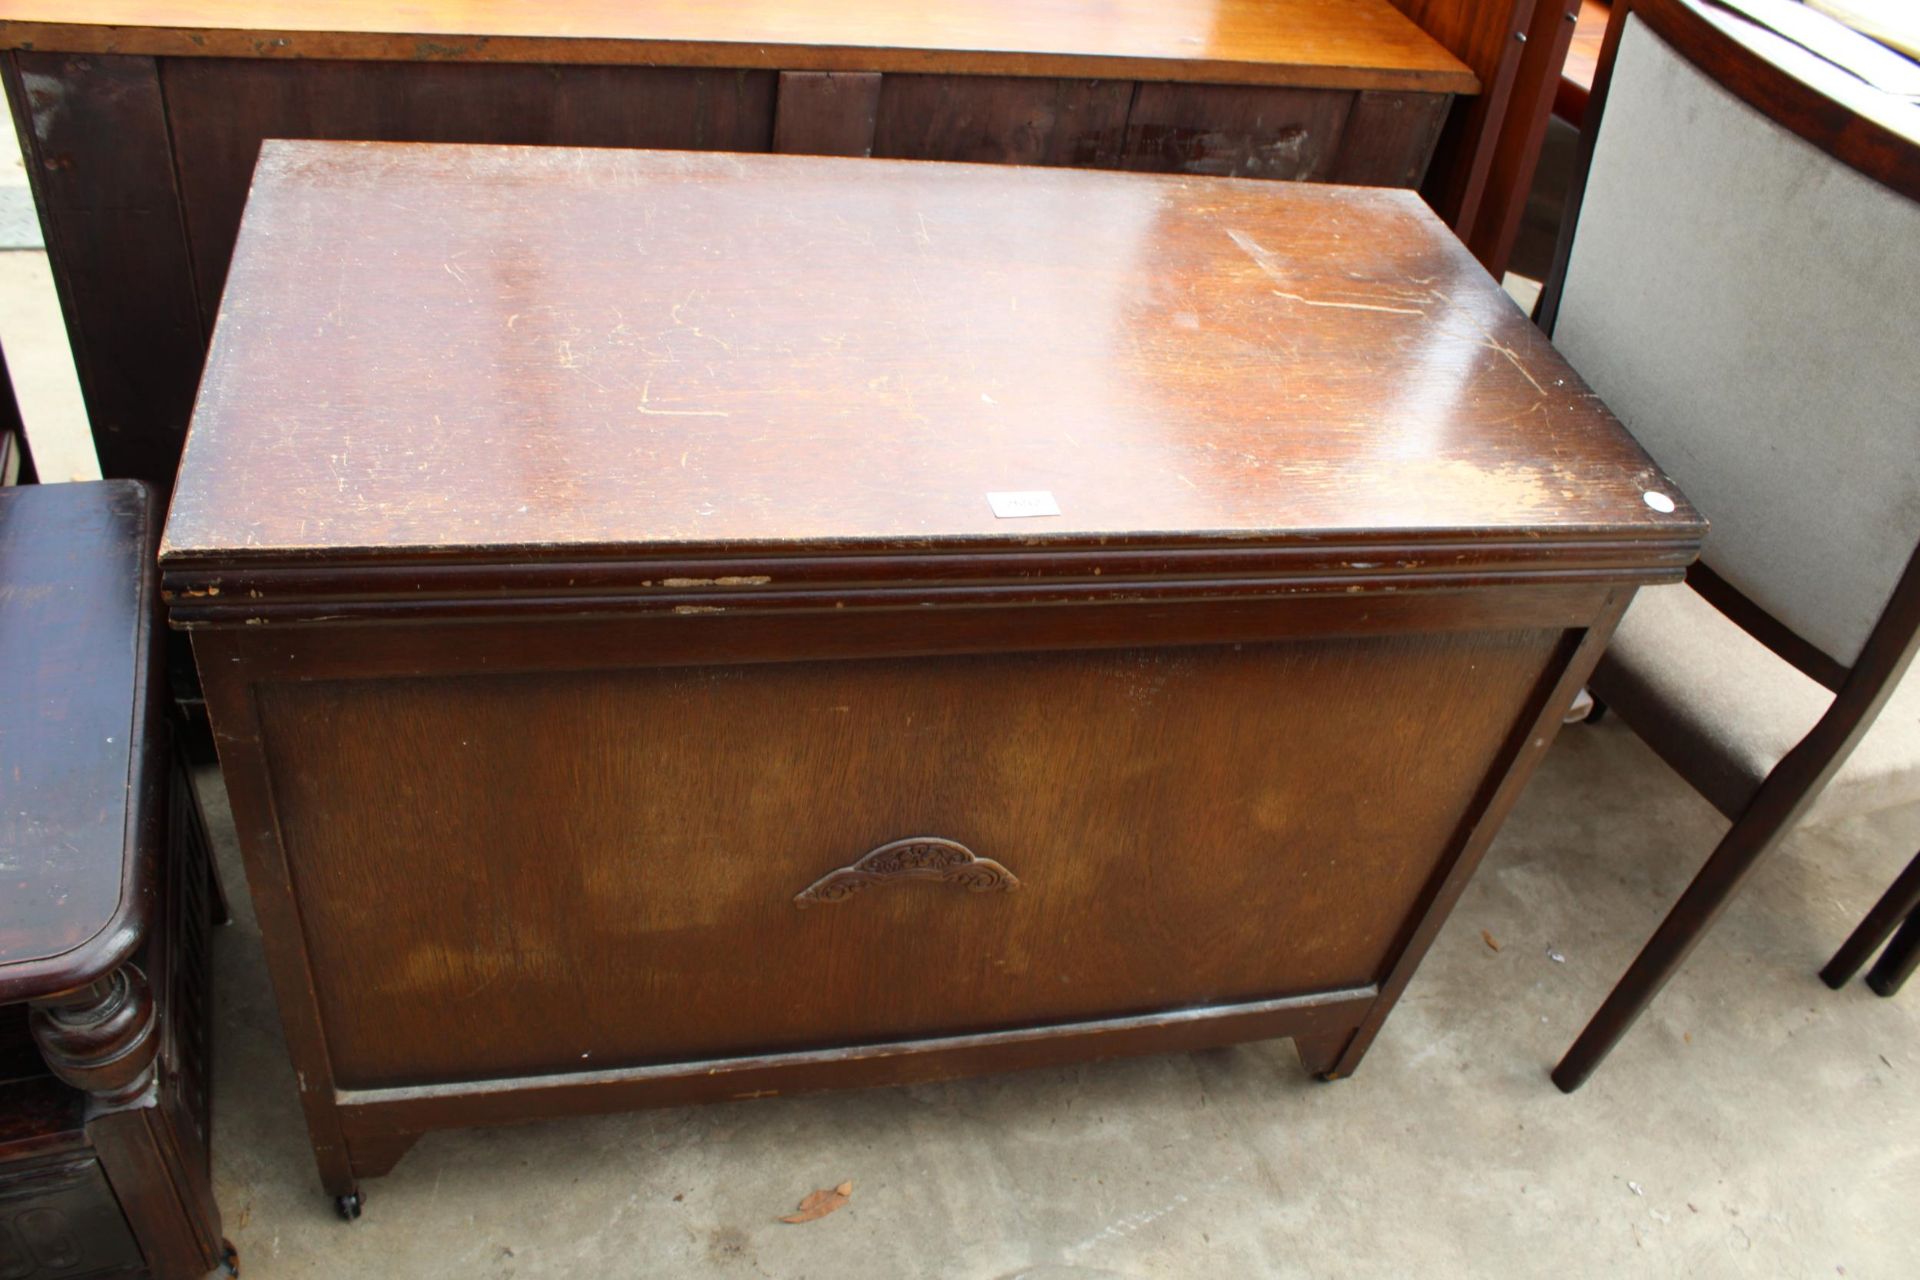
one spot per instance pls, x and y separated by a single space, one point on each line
1681 673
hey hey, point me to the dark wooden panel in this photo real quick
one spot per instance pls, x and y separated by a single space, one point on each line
826 113
220 109
93 136
1236 131
382 1123
1162 835
1389 138
58 1218
1001 119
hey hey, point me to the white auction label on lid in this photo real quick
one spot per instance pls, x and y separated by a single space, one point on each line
1013 506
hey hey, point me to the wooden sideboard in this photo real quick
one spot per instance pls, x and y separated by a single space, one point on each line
686 626
106 899
141 118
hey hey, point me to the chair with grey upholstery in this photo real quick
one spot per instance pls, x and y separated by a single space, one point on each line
1739 279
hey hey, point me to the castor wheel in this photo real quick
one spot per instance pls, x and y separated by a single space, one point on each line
349 1205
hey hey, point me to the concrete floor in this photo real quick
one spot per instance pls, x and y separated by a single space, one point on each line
1754 1124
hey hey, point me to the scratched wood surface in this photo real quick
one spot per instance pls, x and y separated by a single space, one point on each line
76 614
1350 44
681 350
1165 857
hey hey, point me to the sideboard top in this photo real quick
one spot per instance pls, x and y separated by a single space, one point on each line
76 611
1347 44
511 354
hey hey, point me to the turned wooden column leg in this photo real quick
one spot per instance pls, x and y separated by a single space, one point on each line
102 1038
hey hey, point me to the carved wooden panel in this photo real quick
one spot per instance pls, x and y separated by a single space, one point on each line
59 1219
915 858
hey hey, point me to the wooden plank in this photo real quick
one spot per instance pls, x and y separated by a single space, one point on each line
94 140
1487 35
1516 147
375 1115
1389 138
1001 119
1236 131
826 113
1357 44
1582 61
221 108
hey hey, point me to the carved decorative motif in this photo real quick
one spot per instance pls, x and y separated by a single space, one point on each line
101 1038
915 858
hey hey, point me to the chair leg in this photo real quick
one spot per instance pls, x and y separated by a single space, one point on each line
1898 961
1669 947
1897 904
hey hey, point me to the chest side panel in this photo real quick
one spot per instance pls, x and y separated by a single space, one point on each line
504 874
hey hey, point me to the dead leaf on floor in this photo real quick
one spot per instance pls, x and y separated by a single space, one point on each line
821 1203
1486 936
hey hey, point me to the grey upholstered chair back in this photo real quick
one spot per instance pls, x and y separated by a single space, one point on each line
1750 307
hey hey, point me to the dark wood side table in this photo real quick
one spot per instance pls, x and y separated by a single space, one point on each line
106 893
706 625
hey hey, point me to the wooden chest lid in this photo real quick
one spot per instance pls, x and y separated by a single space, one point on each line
76 707
600 371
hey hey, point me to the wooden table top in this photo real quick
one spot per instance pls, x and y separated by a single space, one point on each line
553 352
528 352
1357 44
76 610
550 352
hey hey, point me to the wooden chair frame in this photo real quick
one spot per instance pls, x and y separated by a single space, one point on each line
1860 690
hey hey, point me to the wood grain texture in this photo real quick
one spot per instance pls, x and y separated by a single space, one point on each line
1183 364
93 139
1488 36
1582 61
1388 140
221 108
1163 836
1001 119
1352 44
77 603
1516 146
1236 132
826 113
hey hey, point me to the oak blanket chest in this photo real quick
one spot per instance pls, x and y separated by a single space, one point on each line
690 626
